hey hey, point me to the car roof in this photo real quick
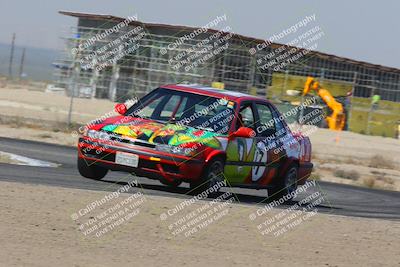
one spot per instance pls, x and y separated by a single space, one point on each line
204 90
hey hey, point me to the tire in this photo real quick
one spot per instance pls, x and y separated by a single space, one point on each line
212 174
91 171
285 186
173 184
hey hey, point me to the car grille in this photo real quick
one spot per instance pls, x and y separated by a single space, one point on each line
120 138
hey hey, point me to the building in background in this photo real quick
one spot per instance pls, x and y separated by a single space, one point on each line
147 67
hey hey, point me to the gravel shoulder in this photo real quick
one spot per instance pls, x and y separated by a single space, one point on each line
37 230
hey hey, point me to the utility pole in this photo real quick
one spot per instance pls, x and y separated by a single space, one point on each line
21 66
11 56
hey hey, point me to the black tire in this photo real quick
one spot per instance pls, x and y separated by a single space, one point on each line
90 170
285 186
212 174
173 184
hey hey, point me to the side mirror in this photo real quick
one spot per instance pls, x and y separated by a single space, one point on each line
244 132
120 108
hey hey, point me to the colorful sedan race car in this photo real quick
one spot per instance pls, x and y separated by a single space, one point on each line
198 135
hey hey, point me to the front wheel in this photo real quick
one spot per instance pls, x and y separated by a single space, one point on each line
211 176
286 186
90 170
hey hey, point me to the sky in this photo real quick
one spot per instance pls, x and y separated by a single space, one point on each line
362 30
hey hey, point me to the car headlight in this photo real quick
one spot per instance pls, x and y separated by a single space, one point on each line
103 136
174 149
91 134
97 135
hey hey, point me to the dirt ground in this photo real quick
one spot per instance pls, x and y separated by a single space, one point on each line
351 158
50 106
37 230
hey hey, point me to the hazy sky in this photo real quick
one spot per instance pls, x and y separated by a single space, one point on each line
362 30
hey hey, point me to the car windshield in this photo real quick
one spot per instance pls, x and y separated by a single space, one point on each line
188 109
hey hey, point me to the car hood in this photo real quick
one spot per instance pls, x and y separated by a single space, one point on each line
157 132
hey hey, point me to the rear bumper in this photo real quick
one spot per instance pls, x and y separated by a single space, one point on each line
152 164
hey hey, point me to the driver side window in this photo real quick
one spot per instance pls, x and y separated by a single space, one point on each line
246 117
266 122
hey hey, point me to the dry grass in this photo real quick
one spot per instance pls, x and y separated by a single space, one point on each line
350 175
54 126
351 161
378 161
369 182
315 176
44 135
381 176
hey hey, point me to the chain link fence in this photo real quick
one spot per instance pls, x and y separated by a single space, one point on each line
155 62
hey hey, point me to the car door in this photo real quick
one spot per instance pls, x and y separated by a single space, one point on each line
268 152
240 151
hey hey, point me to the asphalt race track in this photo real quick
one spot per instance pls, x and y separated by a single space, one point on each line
340 199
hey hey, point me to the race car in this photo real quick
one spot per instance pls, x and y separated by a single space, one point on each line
199 135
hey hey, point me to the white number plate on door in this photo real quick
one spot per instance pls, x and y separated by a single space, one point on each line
127 159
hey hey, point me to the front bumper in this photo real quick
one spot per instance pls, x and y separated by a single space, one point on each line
152 164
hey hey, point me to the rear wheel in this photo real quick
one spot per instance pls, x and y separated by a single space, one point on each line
90 170
212 175
286 186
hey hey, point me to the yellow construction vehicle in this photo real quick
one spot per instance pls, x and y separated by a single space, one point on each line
337 119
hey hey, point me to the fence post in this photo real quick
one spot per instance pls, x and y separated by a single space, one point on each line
371 108
112 90
285 82
95 75
350 107
250 82
74 82
321 79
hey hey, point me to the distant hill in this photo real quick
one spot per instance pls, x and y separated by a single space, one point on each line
37 61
